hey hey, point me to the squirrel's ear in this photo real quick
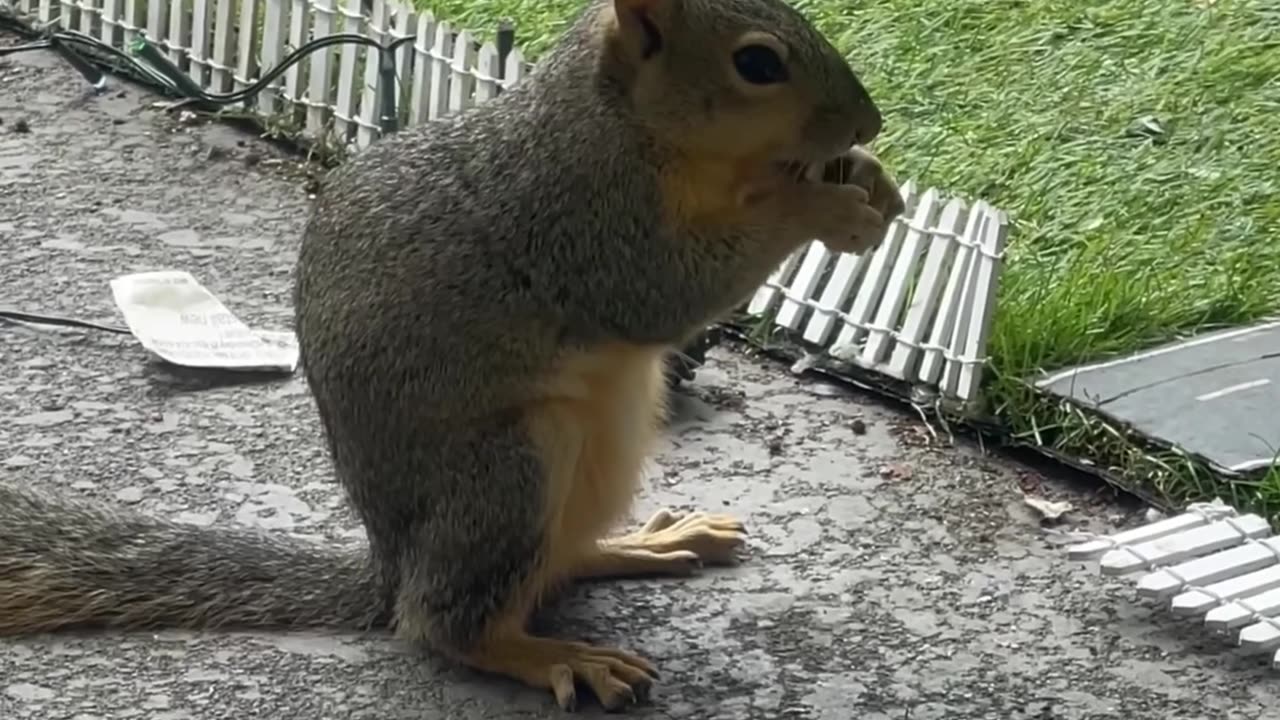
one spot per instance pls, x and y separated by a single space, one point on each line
641 24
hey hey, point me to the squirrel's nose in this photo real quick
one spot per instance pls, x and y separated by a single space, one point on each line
869 125
867 119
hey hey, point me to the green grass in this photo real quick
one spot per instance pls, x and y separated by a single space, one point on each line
1135 143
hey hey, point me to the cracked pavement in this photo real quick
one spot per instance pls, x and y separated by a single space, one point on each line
885 578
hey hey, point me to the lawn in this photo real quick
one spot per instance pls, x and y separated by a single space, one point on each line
1136 144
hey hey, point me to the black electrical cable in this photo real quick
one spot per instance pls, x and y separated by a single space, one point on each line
159 70
33 319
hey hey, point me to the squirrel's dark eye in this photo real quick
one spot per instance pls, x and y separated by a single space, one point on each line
759 65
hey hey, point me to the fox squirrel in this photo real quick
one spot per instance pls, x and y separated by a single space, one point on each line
484 306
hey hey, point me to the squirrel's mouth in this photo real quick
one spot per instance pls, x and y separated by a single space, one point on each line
804 173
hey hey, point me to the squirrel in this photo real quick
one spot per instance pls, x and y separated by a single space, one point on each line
484 305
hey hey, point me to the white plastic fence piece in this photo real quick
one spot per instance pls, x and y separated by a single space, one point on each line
273 37
201 35
1194 518
1241 572
423 70
129 21
516 68
344 115
1218 535
404 24
981 313
1199 600
157 17
246 45
487 72
179 40
848 270
323 12
88 10
903 267
964 321
791 312
441 55
1242 611
765 296
872 287
299 34
933 358
462 83
1211 568
109 30
369 124
924 301
224 17
1262 636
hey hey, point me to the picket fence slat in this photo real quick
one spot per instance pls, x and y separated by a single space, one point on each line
441 54
179 35
462 81
299 34
924 301
869 292
1195 542
318 110
515 68
130 22
1195 601
404 24
1209 569
487 69
158 22
224 19
764 298
198 56
110 25
88 10
423 70
981 312
370 105
893 294
791 311
275 13
247 50
849 270
933 356
344 115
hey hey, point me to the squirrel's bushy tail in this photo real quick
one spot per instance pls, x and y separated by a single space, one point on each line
66 563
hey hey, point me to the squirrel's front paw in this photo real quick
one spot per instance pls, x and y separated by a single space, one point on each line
842 217
854 201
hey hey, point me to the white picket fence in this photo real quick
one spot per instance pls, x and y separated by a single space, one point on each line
918 309
1209 561
225 45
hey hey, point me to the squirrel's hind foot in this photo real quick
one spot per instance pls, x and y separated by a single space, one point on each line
669 544
617 678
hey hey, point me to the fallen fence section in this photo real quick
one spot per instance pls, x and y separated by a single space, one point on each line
1209 562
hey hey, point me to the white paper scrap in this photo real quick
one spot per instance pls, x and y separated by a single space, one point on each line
176 318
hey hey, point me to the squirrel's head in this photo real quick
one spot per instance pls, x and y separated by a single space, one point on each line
742 80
